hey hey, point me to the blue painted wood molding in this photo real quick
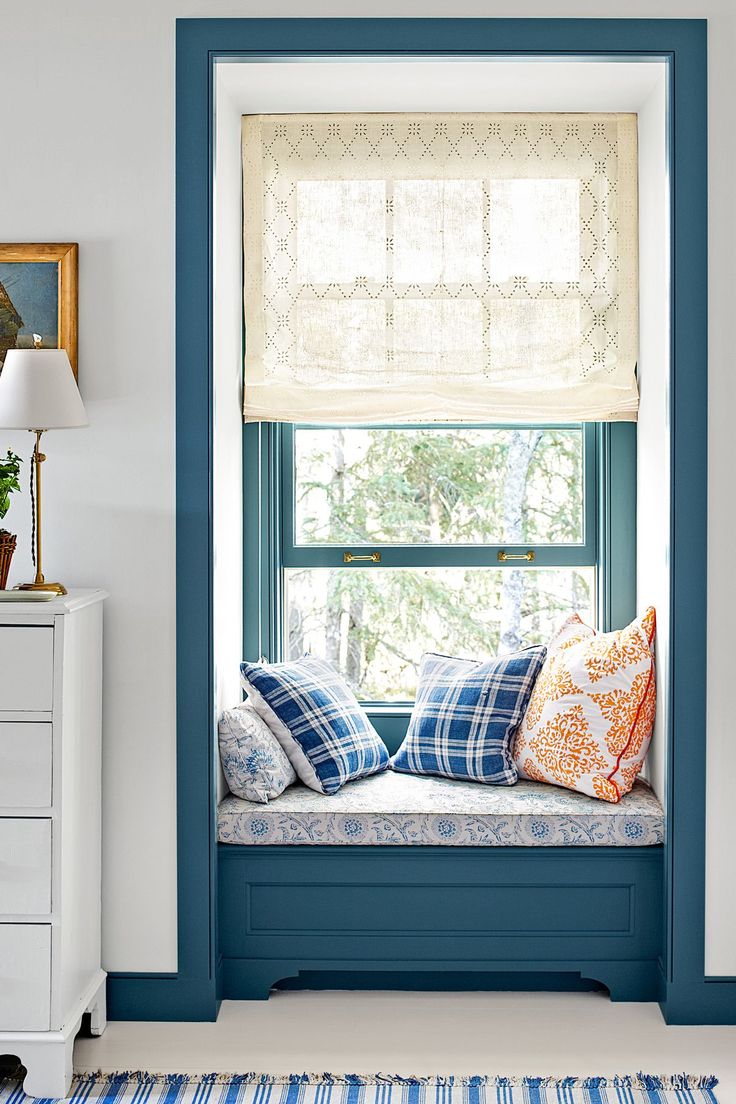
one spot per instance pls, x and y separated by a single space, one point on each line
687 995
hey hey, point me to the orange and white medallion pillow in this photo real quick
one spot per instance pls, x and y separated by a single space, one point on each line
590 717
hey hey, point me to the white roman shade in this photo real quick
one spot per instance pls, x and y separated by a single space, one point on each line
440 268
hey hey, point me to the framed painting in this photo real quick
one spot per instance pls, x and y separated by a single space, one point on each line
38 297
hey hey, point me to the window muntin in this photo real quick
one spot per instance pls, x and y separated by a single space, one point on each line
374 624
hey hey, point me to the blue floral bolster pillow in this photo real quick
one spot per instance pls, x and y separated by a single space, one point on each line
466 715
317 719
253 762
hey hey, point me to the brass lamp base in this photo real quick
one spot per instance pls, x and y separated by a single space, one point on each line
57 588
39 583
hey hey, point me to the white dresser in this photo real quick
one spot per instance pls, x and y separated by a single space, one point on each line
50 718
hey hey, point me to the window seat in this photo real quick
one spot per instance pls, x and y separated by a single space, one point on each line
399 809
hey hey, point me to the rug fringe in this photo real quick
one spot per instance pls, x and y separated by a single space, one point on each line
646 1081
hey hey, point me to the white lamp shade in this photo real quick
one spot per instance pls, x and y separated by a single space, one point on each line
38 391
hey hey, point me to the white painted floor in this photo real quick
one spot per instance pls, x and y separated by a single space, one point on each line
421 1033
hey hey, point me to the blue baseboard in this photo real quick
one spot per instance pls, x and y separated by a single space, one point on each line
160 997
706 1002
166 997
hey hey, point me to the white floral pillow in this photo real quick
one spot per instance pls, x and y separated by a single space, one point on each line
253 762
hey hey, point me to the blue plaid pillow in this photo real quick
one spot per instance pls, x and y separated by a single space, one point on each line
316 718
466 715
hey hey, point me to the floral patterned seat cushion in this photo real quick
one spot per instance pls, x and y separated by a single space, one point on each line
403 809
253 762
590 716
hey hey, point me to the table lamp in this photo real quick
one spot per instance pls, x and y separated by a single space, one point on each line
38 392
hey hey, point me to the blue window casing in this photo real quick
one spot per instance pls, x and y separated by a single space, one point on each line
687 994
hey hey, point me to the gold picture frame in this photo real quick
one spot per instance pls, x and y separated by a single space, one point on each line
36 300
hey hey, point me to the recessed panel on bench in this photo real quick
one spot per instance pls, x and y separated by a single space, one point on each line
319 905
376 907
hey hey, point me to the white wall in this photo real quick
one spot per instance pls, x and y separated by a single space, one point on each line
89 156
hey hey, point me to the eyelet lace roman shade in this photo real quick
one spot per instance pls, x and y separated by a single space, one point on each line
440 268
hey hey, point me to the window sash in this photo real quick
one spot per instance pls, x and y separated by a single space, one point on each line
443 555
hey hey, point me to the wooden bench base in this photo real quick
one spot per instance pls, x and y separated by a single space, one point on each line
476 917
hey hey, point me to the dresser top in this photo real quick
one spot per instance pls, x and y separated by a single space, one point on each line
77 598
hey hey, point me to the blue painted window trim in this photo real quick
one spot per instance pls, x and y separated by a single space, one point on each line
616 518
262 541
687 995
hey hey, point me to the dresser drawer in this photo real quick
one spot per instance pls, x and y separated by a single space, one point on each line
25 867
25 977
25 765
26 668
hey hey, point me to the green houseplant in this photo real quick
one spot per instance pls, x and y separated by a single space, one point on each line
9 482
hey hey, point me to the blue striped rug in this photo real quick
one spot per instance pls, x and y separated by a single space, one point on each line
325 1088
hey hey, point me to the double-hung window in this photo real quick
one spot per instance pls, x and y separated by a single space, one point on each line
377 544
